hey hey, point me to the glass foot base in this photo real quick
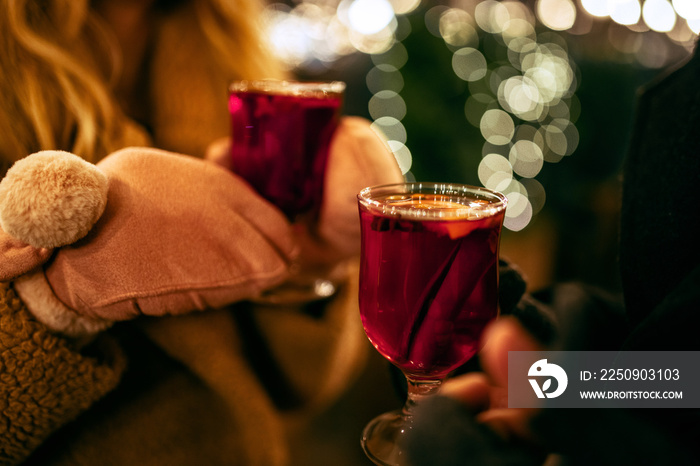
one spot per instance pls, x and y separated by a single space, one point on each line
382 437
298 292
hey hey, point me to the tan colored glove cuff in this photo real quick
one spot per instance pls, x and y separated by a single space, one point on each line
44 383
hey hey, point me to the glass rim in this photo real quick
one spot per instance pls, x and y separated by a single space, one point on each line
497 202
288 87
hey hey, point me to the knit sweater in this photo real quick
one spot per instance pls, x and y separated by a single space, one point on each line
45 382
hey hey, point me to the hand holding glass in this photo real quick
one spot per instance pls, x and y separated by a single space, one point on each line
428 287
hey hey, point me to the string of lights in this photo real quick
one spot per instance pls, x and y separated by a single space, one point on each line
525 107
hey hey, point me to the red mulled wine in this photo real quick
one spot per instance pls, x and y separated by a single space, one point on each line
281 133
429 273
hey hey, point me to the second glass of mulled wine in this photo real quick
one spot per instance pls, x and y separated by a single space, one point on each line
428 287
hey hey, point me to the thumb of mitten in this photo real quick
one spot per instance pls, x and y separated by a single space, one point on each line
18 257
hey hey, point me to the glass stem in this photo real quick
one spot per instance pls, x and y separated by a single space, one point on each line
418 390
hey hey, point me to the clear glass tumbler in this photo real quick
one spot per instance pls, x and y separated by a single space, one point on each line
281 134
428 287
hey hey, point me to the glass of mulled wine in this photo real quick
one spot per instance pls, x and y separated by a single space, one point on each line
281 135
428 287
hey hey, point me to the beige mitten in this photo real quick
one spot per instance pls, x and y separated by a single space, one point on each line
177 234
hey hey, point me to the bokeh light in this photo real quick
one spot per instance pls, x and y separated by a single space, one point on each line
469 64
370 16
520 90
458 28
596 7
392 128
384 77
558 15
387 103
688 9
491 16
659 15
625 12
495 172
522 107
526 158
497 127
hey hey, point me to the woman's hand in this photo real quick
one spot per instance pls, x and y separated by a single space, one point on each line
469 421
178 234
486 393
358 158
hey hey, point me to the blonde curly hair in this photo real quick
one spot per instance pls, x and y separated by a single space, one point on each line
59 65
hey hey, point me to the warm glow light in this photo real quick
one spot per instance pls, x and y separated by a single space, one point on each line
521 96
688 9
694 25
384 77
526 158
521 22
469 64
396 56
495 172
596 7
528 132
561 139
287 37
374 43
556 140
456 28
491 16
370 16
337 38
518 10
558 15
403 7
387 103
497 127
402 154
533 88
391 128
659 15
518 28
307 35
519 210
682 34
521 82
625 12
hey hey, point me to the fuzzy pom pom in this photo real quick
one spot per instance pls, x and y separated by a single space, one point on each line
52 198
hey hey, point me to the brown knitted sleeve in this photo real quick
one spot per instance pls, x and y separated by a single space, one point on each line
44 382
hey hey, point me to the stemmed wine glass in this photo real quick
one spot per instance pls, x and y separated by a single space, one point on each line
281 135
428 287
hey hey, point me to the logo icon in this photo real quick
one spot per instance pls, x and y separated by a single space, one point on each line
542 368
